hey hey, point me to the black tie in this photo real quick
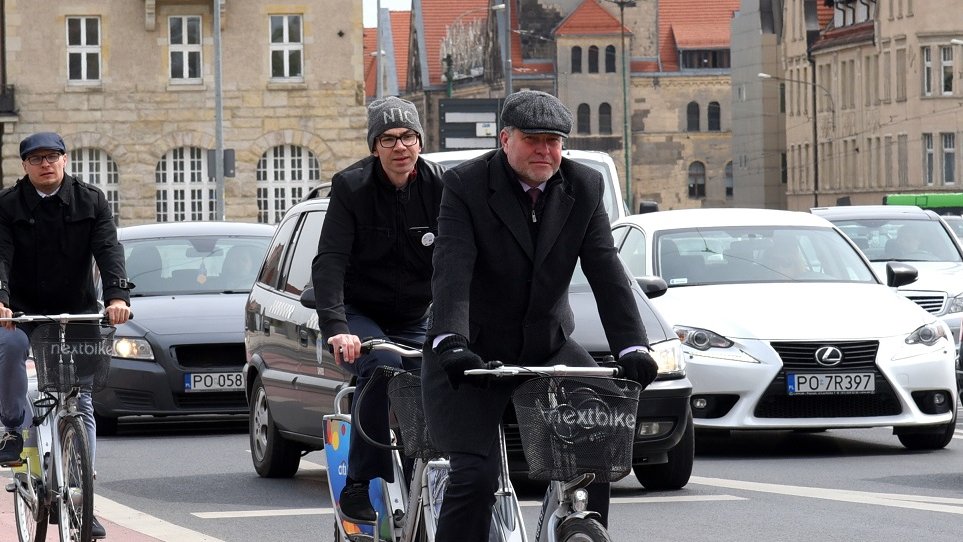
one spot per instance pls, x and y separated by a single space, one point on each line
534 194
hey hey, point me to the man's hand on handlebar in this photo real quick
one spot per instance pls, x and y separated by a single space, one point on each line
117 312
638 365
6 313
345 347
455 358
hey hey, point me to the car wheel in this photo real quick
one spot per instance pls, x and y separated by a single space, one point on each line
273 455
936 439
675 473
106 425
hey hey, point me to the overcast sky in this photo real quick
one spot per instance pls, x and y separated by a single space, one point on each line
371 6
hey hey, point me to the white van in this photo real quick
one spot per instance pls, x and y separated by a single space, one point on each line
594 159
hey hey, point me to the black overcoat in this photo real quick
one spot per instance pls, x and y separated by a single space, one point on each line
508 295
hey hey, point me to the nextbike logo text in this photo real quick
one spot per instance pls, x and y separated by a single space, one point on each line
98 348
569 421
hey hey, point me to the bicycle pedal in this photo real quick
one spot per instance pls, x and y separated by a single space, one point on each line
11 487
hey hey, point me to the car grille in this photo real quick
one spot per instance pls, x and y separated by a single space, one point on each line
933 304
802 355
857 355
134 399
231 400
206 356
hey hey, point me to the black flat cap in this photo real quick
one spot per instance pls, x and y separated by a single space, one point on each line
536 112
42 140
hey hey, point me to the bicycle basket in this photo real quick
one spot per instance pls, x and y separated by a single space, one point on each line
404 392
81 359
575 425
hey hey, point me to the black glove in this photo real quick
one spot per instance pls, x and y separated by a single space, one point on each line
455 358
638 365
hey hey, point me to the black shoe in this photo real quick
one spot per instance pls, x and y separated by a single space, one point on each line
11 446
97 530
355 504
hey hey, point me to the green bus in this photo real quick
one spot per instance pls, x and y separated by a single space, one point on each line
941 202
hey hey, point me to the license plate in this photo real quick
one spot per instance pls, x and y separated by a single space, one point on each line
213 382
830 383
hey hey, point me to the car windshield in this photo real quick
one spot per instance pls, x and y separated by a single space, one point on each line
749 254
956 224
193 265
884 240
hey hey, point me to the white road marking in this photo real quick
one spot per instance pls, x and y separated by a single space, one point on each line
651 500
916 502
146 524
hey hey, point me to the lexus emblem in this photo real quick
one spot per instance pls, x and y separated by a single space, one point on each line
829 356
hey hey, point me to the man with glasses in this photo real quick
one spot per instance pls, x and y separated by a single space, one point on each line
372 274
52 226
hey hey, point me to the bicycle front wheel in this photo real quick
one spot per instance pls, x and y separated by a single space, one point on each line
76 499
31 525
582 530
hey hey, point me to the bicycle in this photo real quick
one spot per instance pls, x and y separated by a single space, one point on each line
54 482
404 512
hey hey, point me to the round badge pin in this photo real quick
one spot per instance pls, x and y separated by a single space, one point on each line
428 239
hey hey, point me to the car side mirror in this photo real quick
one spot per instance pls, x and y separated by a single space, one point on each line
307 298
899 274
652 286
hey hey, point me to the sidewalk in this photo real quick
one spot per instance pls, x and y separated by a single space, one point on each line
8 527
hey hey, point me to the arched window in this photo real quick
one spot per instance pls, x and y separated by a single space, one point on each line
584 119
605 119
697 180
576 59
715 111
730 188
593 66
183 190
284 175
610 59
692 117
96 167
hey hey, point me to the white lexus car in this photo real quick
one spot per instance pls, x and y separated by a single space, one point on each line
785 326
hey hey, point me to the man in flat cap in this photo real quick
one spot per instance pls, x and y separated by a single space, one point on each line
372 274
52 226
514 223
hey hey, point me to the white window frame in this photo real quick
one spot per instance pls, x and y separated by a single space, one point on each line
927 56
286 47
946 70
949 157
191 54
927 143
184 191
84 52
94 166
285 174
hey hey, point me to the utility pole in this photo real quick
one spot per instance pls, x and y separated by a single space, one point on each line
626 111
218 117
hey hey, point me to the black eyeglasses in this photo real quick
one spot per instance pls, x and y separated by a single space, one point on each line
38 159
389 141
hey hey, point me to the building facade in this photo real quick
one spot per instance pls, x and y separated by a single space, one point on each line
132 86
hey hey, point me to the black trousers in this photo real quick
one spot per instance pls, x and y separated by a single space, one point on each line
466 512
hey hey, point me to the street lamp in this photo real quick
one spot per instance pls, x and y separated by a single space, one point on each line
832 110
626 134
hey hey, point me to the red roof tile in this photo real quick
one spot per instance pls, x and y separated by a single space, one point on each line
825 14
700 36
590 18
685 14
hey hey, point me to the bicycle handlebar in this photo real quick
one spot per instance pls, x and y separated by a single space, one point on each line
21 318
542 370
402 350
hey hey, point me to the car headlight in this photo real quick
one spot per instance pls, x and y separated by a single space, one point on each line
927 334
668 355
954 304
131 348
711 344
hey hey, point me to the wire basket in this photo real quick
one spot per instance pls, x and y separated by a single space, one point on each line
404 392
81 359
576 425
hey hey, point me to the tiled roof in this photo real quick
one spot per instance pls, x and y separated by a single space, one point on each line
847 35
590 18
681 15
437 16
824 14
700 36
400 33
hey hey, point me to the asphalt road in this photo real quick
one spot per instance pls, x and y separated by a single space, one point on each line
193 481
